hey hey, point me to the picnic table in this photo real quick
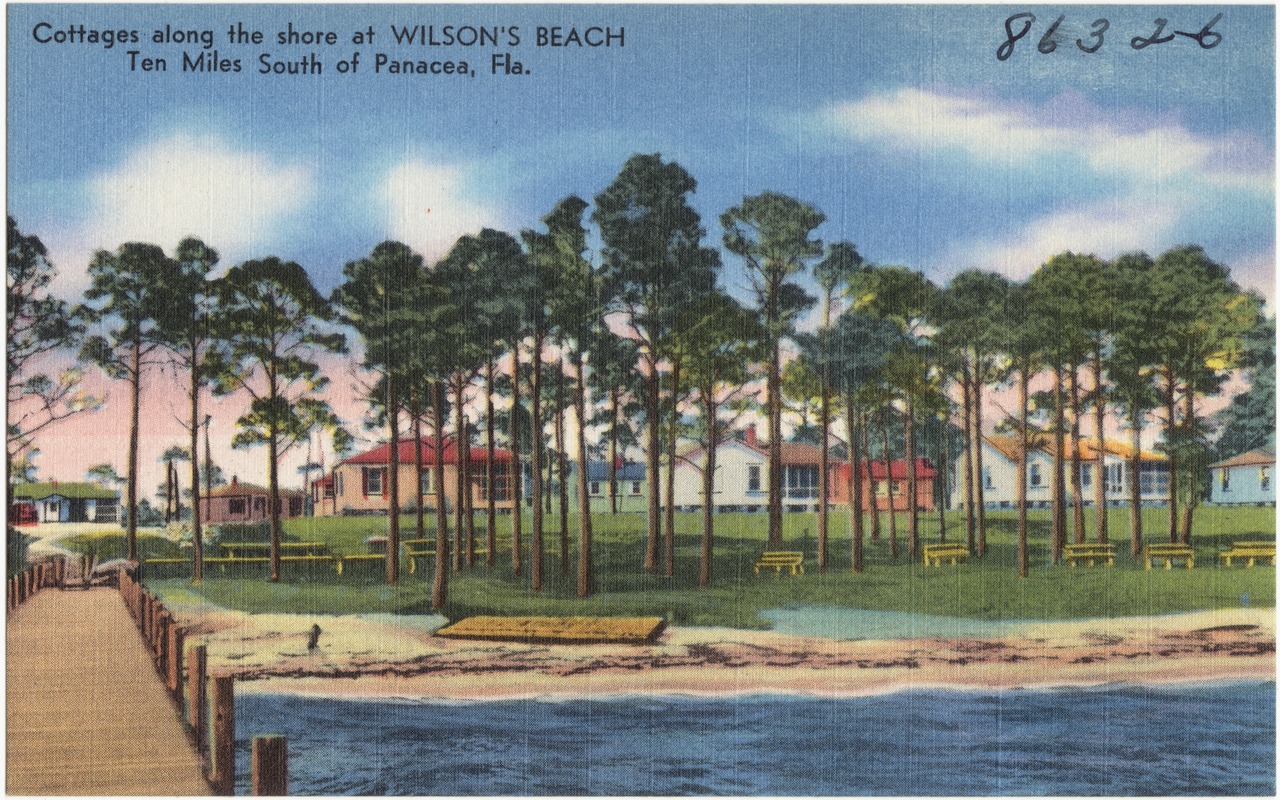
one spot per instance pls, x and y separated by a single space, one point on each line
257 549
1099 552
953 551
1168 552
777 560
1250 551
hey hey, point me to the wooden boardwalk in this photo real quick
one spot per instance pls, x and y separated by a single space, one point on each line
86 713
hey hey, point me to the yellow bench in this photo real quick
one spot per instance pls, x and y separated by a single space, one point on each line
1089 553
340 562
1250 551
414 554
251 549
937 552
778 559
1169 552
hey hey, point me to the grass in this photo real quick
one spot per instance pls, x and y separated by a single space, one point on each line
985 588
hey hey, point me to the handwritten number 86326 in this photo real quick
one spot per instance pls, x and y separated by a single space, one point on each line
1017 26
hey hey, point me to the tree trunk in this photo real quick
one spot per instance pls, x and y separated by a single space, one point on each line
460 491
970 518
273 496
1024 379
197 538
857 557
1135 482
586 575
669 519
468 491
517 474
889 494
1193 489
535 400
913 502
1077 486
419 521
1100 443
1171 424
824 421
980 492
393 483
440 585
654 437
774 401
562 468
168 491
613 451
490 471
1059 473
131 488
708 488
868 475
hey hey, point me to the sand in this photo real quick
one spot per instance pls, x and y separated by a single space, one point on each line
389 656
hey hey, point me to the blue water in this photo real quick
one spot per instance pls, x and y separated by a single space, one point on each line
1183 740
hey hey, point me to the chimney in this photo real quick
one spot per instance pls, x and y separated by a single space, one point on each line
751 434
235 481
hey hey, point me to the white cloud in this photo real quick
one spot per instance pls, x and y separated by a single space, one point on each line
184 185
197 185
428 206
1102 229
1003 135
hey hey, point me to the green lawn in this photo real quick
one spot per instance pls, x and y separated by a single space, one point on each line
985 588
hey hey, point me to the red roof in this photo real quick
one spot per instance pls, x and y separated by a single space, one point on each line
382 453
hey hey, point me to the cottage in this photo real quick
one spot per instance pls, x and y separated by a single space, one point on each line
742 476
632 486
55 501
1246 479
247 502
1000 472
887 486
360 485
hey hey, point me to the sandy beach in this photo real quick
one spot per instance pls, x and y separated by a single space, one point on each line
388 656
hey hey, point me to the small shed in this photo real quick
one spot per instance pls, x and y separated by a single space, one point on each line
1245 479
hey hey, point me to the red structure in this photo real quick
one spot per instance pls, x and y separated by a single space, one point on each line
880 483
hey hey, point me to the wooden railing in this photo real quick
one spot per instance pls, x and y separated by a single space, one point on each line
209 700
47 574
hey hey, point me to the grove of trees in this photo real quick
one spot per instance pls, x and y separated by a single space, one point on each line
638 341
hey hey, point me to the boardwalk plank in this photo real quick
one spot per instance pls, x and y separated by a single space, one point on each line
86 712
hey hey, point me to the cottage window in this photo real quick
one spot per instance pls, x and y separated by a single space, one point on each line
802 481
1115 478
236 505
986 478
373 482
340 484
1086 477
635 487
260 505
1034 477
1264 477
595 488
1154 480
295 506
753 478
425 483
1225 476
499 486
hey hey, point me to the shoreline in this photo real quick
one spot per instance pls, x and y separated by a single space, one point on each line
377 657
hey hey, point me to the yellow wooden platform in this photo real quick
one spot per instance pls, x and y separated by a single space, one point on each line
86 712
558 630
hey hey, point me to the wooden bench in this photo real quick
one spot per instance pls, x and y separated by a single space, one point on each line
1250 551
1089 553
251 549
413 554
778 559
1169 552
937 552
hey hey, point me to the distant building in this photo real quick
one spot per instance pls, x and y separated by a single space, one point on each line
887 485
1246 479
359 484
632 486
56 501
1000 473
247 502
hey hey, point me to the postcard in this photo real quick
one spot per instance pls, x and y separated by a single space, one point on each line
696 399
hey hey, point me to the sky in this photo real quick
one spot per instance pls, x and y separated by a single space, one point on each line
901 124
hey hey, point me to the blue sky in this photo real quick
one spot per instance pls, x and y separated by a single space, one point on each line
899 123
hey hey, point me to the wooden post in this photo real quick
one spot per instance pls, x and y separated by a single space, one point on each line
163 624
224 735
176 637
197 664
270 766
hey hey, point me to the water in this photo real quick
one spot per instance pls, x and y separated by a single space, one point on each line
1168 740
